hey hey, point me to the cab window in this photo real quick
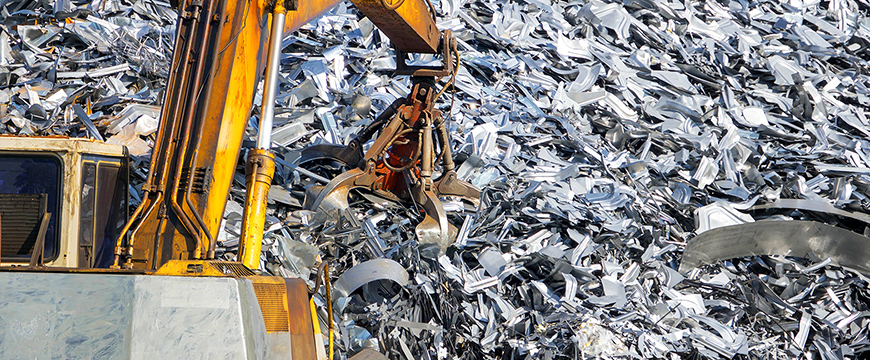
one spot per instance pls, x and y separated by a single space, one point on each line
29 188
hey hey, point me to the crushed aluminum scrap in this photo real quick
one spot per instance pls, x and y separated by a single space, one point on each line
84 69
605 136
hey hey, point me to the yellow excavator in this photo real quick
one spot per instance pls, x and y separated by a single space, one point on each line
82 278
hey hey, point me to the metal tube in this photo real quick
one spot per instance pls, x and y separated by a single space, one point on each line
258 173
119 240
427 148
270 87
446 151
329 313
382 119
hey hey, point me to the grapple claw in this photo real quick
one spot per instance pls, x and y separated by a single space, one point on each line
432 233
450 185
333 196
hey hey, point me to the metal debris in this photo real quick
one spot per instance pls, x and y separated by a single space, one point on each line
99 56
372 270
615 143
802 239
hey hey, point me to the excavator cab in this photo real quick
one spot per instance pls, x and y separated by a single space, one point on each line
63 204
63 201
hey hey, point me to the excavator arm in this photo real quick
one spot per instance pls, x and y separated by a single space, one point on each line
222 48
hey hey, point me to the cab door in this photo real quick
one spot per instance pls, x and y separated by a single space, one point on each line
103 209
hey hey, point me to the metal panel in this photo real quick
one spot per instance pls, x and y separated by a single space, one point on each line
301 325
110 316
95 321
409 26
273 305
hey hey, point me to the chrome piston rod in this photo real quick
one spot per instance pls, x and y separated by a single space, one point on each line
270 87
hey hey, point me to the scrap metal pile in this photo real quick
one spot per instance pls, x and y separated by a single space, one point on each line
659 179
66 68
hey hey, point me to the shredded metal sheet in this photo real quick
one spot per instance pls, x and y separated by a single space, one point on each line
606 136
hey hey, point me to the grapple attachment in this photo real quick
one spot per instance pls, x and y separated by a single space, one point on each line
399 166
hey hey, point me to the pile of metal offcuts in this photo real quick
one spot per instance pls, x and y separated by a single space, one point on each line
659 179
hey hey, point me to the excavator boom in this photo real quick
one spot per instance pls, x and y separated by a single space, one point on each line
218 61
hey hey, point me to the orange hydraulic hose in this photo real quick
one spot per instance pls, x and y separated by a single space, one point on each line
186 131
149 184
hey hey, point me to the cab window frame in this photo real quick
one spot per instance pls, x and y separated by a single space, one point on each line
101 218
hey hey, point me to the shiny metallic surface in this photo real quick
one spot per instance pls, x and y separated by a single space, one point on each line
784 238
270 85
605 138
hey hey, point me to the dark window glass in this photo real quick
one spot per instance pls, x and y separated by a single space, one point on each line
103 213
89 195
111 203
38 176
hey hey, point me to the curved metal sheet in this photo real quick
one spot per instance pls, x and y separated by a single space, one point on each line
790 238
810 205
378 269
